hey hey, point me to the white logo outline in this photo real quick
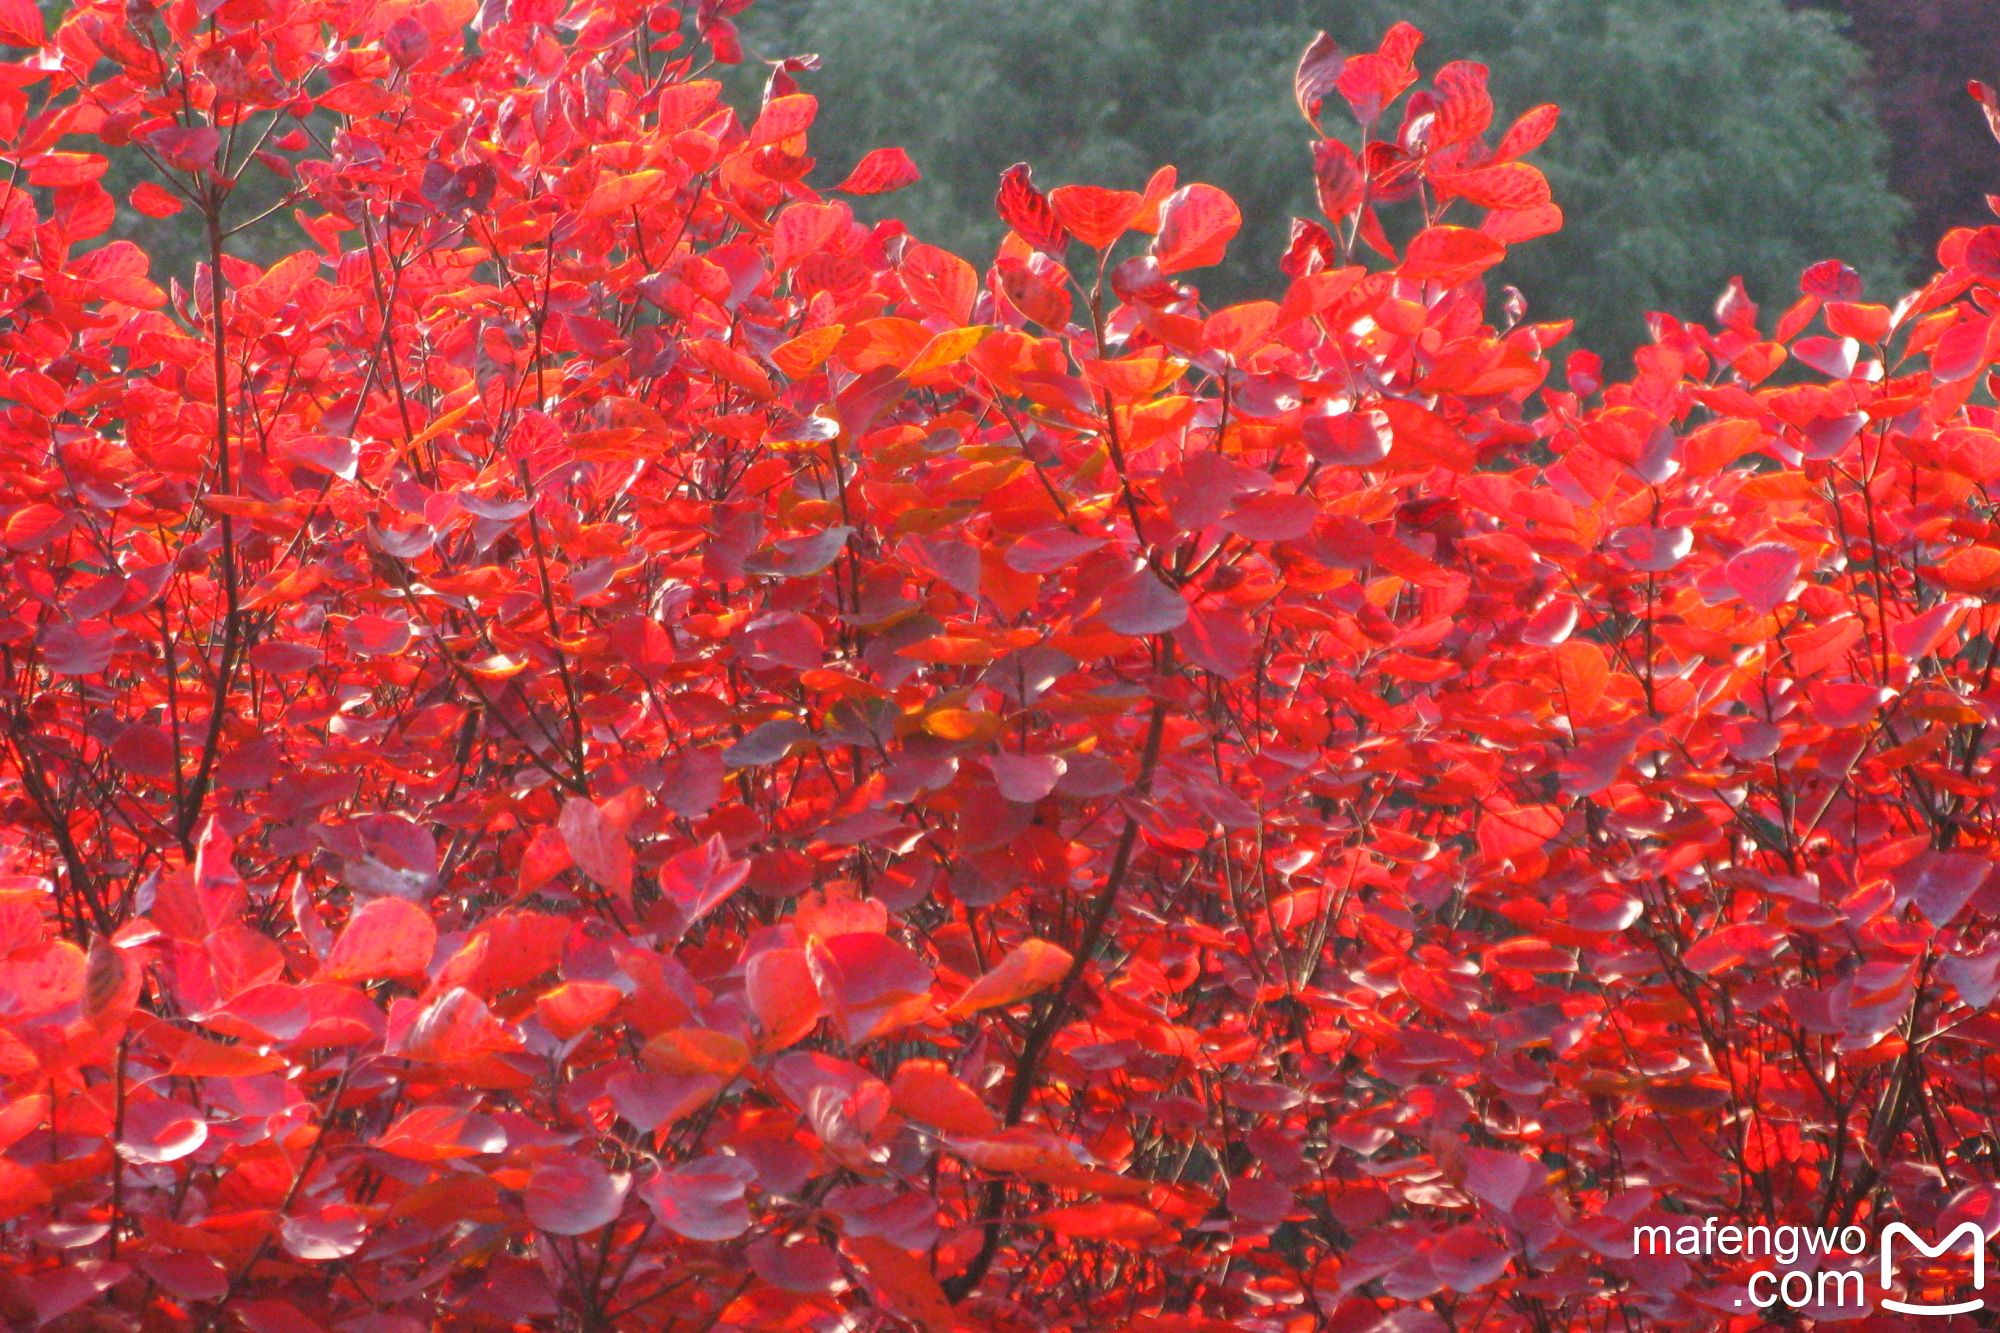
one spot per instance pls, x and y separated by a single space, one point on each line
1976 1241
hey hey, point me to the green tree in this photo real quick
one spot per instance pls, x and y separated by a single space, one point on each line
1700 138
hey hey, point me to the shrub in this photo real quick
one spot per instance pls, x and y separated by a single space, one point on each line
610 747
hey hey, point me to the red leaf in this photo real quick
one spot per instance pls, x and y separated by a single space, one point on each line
942 283
573 1195
619 194
40 979
1273 518
1140 605
702 1199
1499 1178
386 937
1916 637
1508 185
187 149
597 845
696 880
881 171
1026 211
783 117
456 1027
1318 71
1451 254
872 983
805 229
1371 82
1528 133
158 1130
33 526
1465 108
1094 215
82 649
22 1190
1216 638
1524 224
779 985
1197 222
925 1090
576 1006
1733 945
1341 182
1964 350
1831 280
21 23
1026 778
1103 1220
1764 575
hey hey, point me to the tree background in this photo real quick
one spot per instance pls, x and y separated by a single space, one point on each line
1921 52
1700 138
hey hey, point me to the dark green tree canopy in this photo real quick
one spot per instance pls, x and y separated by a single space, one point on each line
1699 139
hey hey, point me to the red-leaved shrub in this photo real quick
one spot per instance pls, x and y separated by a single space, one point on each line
606 747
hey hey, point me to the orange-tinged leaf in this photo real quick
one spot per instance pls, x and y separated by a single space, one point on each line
1133 379
1583 672
1103 1220
619 193
576 1006
802 355
732 366
1975 569
196 1056
886 340
1029 967
903 1282
696 1051
1094 215
959 724
950 650
783 117
437 1133
926 1090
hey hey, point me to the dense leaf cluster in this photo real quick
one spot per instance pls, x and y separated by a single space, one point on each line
608 747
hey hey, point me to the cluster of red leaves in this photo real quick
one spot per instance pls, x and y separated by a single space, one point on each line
608 747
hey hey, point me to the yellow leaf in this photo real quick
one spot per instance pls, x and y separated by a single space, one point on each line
957 724
948 347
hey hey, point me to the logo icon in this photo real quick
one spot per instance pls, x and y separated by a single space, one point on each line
1975 1241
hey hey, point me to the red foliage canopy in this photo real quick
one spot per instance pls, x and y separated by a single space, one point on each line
608 747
